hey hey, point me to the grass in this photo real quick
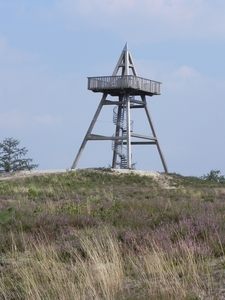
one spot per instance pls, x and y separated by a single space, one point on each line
91 234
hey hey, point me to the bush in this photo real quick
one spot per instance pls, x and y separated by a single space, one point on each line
214 176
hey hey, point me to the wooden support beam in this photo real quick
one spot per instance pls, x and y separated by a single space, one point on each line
141 136
97 137
141 143
137 106
108 102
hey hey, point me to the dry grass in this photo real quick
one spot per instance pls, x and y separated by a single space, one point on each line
41 273
91 235
101 271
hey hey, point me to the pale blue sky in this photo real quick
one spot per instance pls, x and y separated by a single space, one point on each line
49 48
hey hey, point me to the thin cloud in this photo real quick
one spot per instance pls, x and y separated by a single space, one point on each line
10 54
185 72
154 20
13 119
46 119
17 119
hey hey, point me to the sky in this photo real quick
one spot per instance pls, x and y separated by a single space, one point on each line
49 48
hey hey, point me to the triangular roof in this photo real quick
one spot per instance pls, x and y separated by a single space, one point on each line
125 62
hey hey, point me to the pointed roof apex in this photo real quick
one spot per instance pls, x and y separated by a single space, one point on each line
125 63
125 47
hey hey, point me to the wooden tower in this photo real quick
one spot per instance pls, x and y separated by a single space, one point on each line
125 87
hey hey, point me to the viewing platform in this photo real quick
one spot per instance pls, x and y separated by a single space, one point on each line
116 85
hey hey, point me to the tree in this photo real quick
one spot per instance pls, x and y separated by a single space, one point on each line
12 158
214 176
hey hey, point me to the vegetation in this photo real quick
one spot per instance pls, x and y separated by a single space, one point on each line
214 176
94 234
12 158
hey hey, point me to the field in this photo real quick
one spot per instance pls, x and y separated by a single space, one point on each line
98 234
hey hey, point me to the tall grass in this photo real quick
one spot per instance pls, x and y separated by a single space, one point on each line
40 272
102 271
94 235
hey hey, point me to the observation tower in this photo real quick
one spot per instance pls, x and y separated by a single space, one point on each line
127 91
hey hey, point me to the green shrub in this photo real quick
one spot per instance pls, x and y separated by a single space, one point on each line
214 176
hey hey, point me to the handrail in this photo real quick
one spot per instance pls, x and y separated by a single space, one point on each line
124 82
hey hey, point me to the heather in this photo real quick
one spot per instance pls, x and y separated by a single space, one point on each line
94 234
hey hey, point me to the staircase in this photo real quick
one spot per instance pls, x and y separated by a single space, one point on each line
118 146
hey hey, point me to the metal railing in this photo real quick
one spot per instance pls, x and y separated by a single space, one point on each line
124 82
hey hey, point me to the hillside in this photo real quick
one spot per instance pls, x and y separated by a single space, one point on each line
104 234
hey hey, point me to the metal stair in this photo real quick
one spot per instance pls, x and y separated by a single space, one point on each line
118 146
